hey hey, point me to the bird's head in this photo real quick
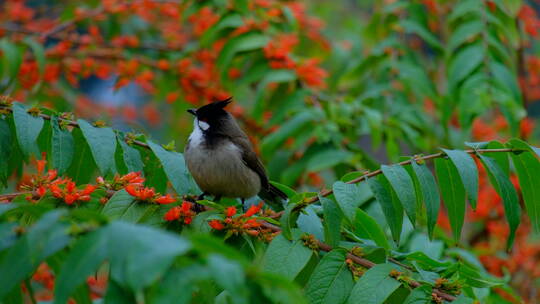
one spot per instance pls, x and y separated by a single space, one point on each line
211 114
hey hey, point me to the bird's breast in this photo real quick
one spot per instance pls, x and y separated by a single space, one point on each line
220 169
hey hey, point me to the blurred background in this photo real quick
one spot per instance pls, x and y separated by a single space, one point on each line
322 87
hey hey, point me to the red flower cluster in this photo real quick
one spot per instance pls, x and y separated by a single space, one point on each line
242 223
149 194
62 188
277 51
67 190
183 213
527 14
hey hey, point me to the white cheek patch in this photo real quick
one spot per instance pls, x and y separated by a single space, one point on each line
203 125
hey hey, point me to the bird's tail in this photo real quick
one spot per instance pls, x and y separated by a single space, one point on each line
274 197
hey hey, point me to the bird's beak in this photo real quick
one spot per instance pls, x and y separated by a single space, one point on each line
192 112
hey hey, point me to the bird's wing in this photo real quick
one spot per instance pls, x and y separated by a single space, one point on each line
250 159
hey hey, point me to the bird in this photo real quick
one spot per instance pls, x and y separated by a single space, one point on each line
222 160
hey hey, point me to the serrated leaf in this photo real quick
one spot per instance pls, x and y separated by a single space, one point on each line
366 227
505 189
332 221
286 258
392 209
527 168
430 194
62 147
102 143
349 197
452 192
468 173
331 280
375 285
403 185
175 168
27 129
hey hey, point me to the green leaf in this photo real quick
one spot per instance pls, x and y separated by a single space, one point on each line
350 196
411 26
82 166
229 275
102 143
375 285
62 147
83 260
366 227
430 194
6 144
245 42
309 222
452 192
463 33
140 254
331 280
287 220
468 173
332 221
27 128
11 60
175 168
286 258
43 239
527 167
403 185
419 295
506 190
290 128
392 209
463 63
132 157
123 206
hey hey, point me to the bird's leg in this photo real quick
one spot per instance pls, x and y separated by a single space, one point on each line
243 200
198 207
201 196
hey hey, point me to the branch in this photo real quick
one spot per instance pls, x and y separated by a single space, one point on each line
325 193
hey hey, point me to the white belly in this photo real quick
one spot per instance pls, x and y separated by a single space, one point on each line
220 171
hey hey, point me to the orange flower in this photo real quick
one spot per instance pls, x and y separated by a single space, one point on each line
173 214
215 224
253 210
165 199
311 74
230 211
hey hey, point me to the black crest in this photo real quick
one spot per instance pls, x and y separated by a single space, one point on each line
213 110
